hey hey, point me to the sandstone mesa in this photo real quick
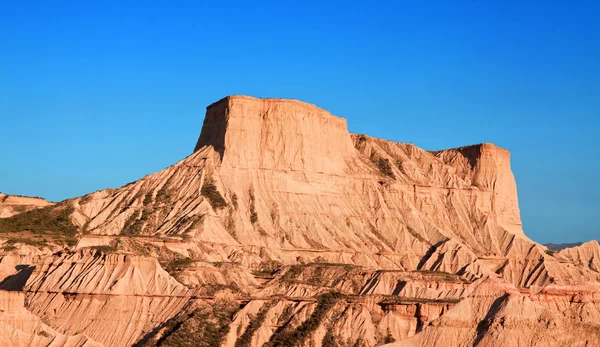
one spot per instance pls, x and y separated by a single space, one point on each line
284 229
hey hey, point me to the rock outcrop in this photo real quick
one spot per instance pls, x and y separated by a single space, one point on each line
282 228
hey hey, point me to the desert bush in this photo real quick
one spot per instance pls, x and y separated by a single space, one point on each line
174 266
104 249
297 337
253 214
204 327
246 338
384 166
234 201
46 220
209 191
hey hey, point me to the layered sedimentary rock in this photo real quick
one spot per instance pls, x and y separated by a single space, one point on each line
284 228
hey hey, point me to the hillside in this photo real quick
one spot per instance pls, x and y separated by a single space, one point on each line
282 228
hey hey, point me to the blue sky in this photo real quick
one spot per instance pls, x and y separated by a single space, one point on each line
99 94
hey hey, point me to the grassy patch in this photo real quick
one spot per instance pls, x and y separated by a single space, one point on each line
209 191
47 223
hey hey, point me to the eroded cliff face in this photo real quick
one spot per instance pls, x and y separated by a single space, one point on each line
282 228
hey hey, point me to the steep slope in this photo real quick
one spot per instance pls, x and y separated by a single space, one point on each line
19 327
282 180
283 228
498 315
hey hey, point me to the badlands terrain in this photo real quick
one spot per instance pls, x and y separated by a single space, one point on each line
284 229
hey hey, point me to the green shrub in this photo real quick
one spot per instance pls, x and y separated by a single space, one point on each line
297 337
389 338
234 201
253 214
132 226
384 166
104 249
209 191
175 266
148 199
329 340
42 221
246 338
47 223
9 248
204 327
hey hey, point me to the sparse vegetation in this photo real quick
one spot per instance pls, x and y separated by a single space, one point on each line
315 276
104 249
397 300
209 191
274 213
147 198
132 226
230 224
297 337
384 166
262 273
267 268
163 196
20 208
246 338
389 338
51 223
28 241
212 289
234 201
44 334
400 166
175 266
329 340
253 214
9 248
204 327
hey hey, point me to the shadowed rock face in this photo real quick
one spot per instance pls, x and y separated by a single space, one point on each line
277 206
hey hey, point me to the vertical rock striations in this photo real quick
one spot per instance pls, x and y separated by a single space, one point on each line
283 227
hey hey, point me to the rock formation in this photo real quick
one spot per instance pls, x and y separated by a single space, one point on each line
282 228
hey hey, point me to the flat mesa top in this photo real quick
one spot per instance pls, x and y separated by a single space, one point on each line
312 108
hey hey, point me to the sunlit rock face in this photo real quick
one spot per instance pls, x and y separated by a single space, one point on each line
282 228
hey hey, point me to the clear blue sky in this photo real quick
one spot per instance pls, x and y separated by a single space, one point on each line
99 94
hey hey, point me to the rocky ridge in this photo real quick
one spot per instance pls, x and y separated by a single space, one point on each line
282 228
